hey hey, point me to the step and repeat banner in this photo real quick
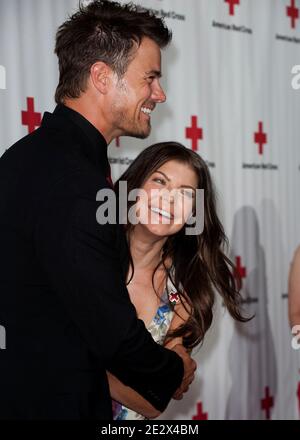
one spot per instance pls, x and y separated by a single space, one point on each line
232 81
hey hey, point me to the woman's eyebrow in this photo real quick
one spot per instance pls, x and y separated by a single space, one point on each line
166 177
181 186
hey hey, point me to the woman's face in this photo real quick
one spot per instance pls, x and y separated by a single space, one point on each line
167 199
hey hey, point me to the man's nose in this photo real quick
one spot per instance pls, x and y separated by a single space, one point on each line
158 94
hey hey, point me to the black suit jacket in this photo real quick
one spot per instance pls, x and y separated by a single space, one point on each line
63 299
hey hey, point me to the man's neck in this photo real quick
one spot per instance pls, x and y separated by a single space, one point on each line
91 111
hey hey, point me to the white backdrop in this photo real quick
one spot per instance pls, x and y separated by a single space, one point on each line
228 73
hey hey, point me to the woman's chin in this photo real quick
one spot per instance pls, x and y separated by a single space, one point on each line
161 230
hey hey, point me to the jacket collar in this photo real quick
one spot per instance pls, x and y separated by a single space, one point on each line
93 144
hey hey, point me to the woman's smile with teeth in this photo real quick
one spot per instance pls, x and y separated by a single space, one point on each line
161 212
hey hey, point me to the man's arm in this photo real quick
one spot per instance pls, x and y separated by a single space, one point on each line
81 262
181 315
126 395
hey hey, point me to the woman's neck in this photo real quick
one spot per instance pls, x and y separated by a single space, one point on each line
145 249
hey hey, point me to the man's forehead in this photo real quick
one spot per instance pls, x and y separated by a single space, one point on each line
149 47
148 57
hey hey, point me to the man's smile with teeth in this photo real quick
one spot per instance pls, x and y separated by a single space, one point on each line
146 110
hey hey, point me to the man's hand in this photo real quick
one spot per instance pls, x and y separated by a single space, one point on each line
189 371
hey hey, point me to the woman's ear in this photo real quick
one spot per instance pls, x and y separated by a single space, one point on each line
100 76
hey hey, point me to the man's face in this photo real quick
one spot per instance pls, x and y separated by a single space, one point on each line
136 94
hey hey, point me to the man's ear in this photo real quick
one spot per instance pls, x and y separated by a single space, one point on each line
100 76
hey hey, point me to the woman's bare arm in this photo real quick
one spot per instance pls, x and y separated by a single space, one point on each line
130 398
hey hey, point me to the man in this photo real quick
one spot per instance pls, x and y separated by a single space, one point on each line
63 300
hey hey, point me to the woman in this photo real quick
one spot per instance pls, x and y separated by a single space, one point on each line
172 276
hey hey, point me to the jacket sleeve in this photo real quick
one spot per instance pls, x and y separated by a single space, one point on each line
81 262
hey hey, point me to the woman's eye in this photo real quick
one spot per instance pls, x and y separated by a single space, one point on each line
159 180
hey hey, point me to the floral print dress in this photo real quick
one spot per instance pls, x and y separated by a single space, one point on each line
158 328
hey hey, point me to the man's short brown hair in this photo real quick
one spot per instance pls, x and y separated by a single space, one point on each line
102 31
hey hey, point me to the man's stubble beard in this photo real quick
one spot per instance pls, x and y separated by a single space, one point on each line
122 121
130 128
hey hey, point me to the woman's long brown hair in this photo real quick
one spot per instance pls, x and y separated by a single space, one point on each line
200 265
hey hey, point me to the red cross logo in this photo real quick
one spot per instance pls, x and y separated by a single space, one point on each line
232 4
117 142
267 403
293 13
194 133
200 414
260 138
174 297
30 118
240 272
